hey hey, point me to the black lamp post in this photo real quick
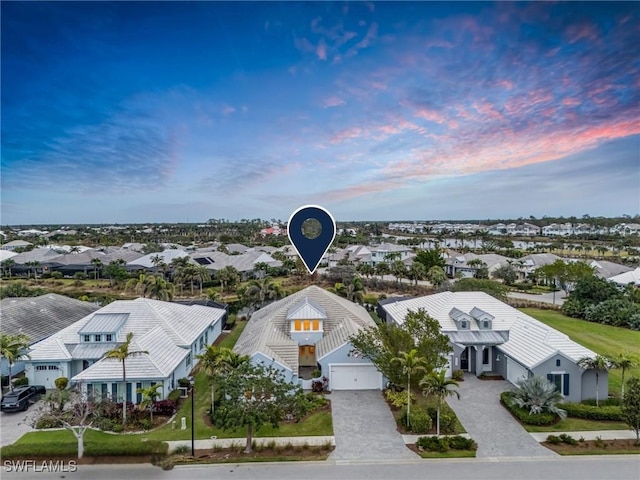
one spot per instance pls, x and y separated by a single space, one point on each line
193 434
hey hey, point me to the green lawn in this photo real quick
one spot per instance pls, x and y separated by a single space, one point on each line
449 454
577 425
602 339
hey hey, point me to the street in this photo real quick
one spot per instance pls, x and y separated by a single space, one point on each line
614 467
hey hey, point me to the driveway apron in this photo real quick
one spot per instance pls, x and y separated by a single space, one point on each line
364 428
493 428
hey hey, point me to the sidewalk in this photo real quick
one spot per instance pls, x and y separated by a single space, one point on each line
589 435
230 442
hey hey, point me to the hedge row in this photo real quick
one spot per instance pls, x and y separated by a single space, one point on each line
591 412
523 414
70 449
442 444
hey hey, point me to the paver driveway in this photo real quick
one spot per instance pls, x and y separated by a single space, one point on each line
364 428
496 432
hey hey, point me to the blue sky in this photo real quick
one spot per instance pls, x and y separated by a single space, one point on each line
166 112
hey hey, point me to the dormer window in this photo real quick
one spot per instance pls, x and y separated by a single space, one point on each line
307 326
98 338
463 324
87 338
109 337
485 324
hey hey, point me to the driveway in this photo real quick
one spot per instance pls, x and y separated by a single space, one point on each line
364 428
557 299
15 425
493 428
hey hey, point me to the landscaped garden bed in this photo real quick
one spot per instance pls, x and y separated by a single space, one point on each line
268 453
444 447
570 446
423 415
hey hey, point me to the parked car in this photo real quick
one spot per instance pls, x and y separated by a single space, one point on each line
20 398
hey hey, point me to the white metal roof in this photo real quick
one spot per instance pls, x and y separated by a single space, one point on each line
530 341
104 323
306 310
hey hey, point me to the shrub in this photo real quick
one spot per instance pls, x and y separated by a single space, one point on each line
457 375
589 412
447 424
462 443
397 399
57 275
608 402
554 440
21 382
48 421
184 382
420 421
61 383
433 444
317 373
174 395
164 407
568 439
523 415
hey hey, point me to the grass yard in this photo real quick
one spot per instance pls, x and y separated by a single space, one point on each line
577 425
602 339
449 454
62 443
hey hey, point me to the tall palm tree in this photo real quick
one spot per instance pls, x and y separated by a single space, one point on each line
97 265
598 364
201 274
398 270
159 288
34 264
417 271
121 353
382 269
218 361
259 291
622 361
435 384
157 260
13 348
227 276
149 396
140 285
411 364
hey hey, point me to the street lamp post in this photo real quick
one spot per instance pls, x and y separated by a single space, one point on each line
192 383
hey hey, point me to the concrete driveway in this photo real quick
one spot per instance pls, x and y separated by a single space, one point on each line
364 428
493 428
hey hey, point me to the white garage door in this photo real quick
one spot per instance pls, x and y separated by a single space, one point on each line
515 371
46 375
355 377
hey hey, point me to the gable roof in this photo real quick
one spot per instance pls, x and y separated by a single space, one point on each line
167 256
104 323
40 317
530 341
268 330
628 277
306 309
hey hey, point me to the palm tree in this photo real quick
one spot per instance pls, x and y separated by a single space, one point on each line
622 361
382 269
259 291
13 348
436 275
399 270
149 396
201 274
159 288
435 384
411 364
227 276
538 395
97 265
157 260
417 271
598 364
8 264
34 267
140 284
218 361
121 353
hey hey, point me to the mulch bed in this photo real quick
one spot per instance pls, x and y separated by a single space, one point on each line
593 446
236 454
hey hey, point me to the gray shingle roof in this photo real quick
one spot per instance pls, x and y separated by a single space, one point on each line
268 330
41 317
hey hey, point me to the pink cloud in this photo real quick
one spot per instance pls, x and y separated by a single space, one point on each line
321 50
506 84
347 134
587 31
487 110
365 42
571 102
430 115
228 110
333 101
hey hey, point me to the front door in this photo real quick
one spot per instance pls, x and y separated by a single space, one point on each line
464 360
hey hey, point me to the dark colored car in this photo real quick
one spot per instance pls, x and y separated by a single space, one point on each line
20 398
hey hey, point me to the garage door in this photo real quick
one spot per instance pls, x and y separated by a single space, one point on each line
46 375
515 371
355 377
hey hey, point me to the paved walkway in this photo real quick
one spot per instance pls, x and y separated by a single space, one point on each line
365 429
558 299
493 428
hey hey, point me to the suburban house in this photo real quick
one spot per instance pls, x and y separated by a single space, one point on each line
39 318
245 262
628 278
387 252
489 336
171 333
606 269
310 330
458 266
10 246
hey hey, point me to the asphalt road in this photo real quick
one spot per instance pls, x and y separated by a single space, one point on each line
614 467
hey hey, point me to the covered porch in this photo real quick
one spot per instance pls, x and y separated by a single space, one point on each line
476 350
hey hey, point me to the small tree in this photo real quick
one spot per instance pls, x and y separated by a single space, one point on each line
149 396
631 406
13 348
440 387
411 364
597 364
255 395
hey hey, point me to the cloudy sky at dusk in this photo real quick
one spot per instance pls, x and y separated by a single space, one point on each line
151 112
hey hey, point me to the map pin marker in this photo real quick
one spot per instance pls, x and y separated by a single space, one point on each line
311 230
